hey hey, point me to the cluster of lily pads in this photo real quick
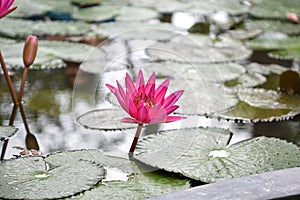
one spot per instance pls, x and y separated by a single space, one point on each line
212 67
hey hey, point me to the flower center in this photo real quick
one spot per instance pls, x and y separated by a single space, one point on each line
147 101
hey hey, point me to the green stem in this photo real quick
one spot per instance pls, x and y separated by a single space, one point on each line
136 138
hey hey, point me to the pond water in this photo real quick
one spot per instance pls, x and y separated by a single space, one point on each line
52 102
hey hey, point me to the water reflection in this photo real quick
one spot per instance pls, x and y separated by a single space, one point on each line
51 109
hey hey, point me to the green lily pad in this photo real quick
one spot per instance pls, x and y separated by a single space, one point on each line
202 154
273 25
119 162
104 119
134 13
31 178
264 105
137 30
208 7
51 54
96 13
18 28
85 3
265 69
274 40
217 72
29 8
292 53
138 186
6 132
199 49
274 9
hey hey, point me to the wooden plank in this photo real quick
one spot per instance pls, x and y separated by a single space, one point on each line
281 184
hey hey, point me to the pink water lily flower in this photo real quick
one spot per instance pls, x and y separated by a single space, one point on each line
5 7
145 103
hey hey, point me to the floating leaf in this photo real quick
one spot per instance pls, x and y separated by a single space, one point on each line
6 132
198 49
105 119
137 30
274 8
273 40
139 186
289 82
263 105
51 54
133 13
217 72
265 69
93 155
18 28
85 3
202 154
30 178
211 6
292 53
97 13
273 25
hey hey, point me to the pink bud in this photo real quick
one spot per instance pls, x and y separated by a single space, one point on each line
30 49
293 17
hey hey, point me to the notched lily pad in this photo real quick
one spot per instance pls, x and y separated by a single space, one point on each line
199 49
276 9
138 186
31 178
263 105
202 154
273 25
105 119
51 54
18 28
97 156
7 132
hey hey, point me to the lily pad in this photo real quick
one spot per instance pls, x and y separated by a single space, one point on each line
18 28
199 49
202 154
273 40
134 13
137 30
51 54
6 132
138 186
290 54
97 13
264 105
216 72
276 9
105 119
119 162
31 178
208 7
265 69
272 25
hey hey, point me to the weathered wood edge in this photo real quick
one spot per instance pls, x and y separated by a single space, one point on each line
280 184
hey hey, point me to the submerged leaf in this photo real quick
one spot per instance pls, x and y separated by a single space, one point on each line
289 82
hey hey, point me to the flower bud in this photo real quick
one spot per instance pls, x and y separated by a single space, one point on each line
30 49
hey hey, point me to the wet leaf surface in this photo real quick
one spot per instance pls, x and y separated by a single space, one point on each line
7 132
208 157
29 178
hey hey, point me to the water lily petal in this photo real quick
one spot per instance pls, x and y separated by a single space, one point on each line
130 87
172 98
160 92
128 120
111 88
150 86
140 83
171 109
132 109
142 115
174 118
